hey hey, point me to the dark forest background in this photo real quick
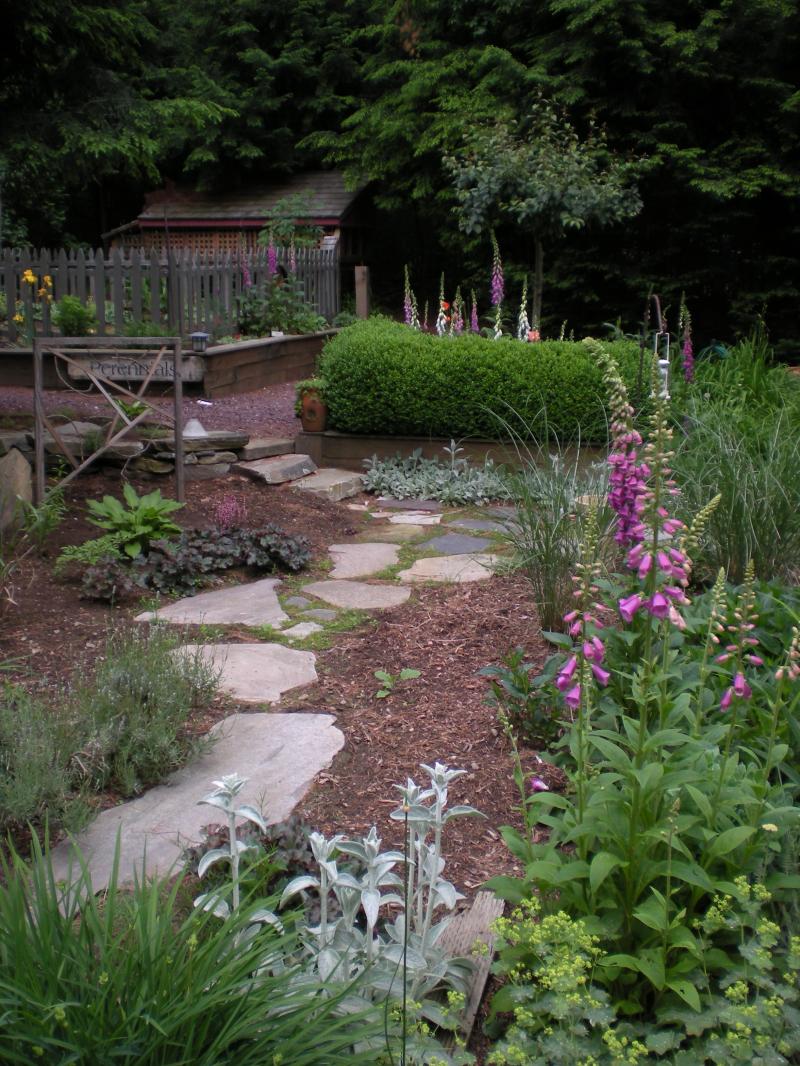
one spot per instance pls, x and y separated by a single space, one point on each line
102 101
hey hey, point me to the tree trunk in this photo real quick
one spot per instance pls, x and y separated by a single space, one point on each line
538 285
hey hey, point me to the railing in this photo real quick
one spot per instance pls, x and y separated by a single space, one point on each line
180 292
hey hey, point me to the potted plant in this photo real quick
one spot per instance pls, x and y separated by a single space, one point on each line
310 405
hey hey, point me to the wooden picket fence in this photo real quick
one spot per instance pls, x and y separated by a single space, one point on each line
180 292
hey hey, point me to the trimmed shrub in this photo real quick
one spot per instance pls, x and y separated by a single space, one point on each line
382 377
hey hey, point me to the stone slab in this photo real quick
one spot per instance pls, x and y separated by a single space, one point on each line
297 601
361 560
395 534
456 544
390 504
415 518
278 470
301 630
333 484
254 604
279 754
217 457
16 483
266 447
199 472
455 569
13 438
257 673
479 525
211 440
358 595
321 613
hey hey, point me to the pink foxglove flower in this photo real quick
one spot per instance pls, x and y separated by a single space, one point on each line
473 318
536 784
272 259
498 281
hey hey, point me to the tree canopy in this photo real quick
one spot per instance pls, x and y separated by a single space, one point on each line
101 100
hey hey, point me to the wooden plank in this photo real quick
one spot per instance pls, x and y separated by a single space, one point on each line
132 367
155 288
459 939
136 285
45 271
61 276
80 288
100 290
118 291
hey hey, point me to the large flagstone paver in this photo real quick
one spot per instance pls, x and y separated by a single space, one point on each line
279 754
413 518
277 470
257 673
456 544
458 569
394 534
361 560
254 604
480 525
390 503
357 595
332 483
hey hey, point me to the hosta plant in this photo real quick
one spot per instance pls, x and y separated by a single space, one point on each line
143 520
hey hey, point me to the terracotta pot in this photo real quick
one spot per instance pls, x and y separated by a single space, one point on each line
314 413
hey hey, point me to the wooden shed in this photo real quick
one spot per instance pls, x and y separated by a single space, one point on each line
180 218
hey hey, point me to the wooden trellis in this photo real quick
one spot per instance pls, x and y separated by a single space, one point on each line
116 345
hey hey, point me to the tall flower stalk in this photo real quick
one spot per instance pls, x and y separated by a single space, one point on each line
523 325
457 317
272 258
442 318
410 312
473 319
498 281
685 333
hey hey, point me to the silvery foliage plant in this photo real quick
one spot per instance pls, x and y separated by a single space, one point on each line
361 940
225 792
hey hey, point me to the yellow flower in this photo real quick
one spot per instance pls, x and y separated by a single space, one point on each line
48 281
770 827
19 319
29 277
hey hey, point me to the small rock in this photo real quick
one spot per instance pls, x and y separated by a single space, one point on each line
333 484
205 473
301 630
266 447
16 482
152 466
217 457
278 470
297 601
321 613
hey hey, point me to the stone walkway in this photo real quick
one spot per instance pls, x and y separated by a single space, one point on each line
281 754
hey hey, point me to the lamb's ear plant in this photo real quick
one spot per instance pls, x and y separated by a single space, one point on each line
225 792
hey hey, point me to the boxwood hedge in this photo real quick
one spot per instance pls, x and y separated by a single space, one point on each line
382 377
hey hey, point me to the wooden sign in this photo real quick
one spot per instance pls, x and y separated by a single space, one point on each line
117 367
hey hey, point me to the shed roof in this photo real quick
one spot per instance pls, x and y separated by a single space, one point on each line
327 198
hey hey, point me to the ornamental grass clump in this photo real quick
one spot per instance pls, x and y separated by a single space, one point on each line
681 796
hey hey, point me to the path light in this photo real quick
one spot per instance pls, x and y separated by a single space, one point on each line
199 342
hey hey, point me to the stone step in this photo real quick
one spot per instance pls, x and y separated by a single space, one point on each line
333 484
266 448
278 469
278 754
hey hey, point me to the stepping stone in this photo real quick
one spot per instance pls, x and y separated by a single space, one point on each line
333 484
279 754
396 534
297 601
358 595
321 613
503 510
480 525
456 544
361 560
207 472
257 673
266 447
432 506
254 604
458 569
209 440
278 470
415 518
301 630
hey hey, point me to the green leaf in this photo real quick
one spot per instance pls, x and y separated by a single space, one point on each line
601 866
511 889
407 674
561 640
729 840
687 992
652 913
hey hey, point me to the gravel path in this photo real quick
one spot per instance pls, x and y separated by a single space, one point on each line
267 412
